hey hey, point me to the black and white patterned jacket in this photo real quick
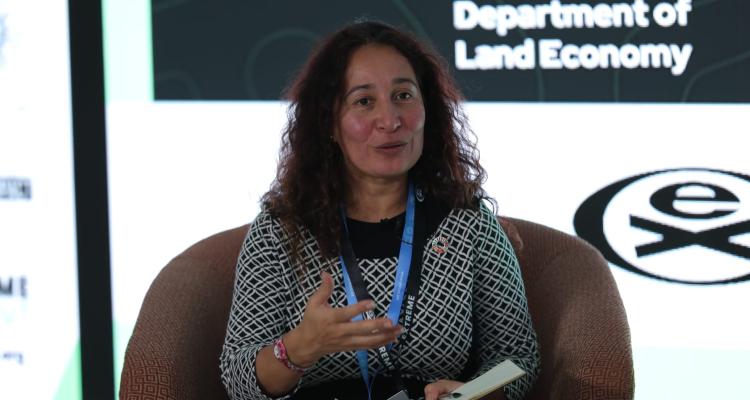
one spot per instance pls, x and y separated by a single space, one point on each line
471 305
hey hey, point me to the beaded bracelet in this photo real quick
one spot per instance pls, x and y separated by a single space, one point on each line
279 351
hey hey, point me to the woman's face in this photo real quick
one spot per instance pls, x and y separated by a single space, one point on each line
381 117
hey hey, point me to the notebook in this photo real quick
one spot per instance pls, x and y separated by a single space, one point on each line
499 376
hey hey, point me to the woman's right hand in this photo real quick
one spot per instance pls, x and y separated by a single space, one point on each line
325 330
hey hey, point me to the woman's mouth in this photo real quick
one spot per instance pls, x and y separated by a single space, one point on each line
391 145
390 148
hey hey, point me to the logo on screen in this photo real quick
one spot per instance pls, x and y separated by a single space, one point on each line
14 357
15 189
13 298
688 225
13 286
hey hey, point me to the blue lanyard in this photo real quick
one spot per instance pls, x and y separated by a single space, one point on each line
399 286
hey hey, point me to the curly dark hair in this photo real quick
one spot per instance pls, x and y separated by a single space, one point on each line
311 179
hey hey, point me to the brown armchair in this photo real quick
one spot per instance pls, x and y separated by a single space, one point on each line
575 305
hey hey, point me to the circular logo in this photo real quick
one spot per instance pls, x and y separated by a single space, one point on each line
688 225
440 245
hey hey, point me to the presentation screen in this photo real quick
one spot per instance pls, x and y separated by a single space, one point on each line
39 323
622 122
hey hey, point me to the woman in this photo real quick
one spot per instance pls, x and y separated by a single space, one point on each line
374 267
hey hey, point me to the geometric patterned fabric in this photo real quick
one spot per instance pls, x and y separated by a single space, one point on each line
471 305
150 380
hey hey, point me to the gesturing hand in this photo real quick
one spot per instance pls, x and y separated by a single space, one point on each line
326 330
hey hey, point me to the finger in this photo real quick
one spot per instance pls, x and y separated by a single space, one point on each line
438 388
368 327
324 291
371 341
347 313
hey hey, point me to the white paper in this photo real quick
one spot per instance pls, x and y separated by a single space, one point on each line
499 376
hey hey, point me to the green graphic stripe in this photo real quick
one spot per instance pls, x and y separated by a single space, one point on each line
70 384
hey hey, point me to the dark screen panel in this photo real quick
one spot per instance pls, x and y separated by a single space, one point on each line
228 50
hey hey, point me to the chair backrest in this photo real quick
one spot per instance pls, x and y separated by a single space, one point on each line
574 303
578 315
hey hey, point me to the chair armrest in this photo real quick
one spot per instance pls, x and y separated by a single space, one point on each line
175 346
591 347
150 369
578 315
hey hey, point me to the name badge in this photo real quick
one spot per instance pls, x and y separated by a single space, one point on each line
399 396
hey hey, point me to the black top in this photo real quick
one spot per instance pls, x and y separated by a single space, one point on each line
383 239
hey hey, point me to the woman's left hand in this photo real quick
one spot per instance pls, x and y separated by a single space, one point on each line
434 390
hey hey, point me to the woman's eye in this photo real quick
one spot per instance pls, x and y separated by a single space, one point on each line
363 101
404 96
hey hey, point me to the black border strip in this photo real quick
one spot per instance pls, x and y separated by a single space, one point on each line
92 214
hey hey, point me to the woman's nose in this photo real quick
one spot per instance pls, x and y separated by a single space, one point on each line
389 118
